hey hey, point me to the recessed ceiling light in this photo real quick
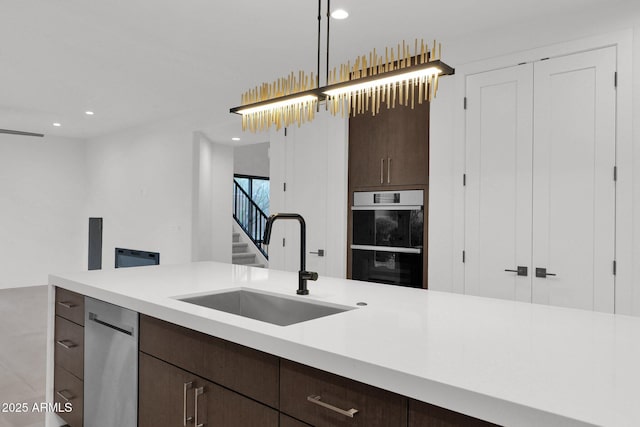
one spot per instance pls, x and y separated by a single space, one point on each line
235 138
339 14
89 113
57 125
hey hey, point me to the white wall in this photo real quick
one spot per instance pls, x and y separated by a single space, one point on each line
213 192
251 159
493 50
43 220
141 181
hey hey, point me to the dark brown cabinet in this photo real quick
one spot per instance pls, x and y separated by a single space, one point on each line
169 395
213 382
390 149
425 415
323 399
68 386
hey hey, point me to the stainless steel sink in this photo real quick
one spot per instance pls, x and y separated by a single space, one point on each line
270 308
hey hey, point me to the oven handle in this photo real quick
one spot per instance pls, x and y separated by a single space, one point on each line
387 249
388 208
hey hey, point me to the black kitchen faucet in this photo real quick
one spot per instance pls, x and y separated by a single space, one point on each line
303 275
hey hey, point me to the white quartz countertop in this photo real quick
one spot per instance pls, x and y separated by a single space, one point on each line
507 362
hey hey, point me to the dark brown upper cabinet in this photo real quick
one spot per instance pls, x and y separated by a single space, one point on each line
389 149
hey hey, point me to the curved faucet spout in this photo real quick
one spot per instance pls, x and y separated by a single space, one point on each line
303 275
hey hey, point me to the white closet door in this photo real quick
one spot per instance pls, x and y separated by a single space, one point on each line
573 187
498 183
307 191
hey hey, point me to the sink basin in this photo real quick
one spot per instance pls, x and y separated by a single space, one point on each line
270 308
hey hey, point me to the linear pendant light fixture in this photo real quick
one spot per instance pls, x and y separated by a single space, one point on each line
399 78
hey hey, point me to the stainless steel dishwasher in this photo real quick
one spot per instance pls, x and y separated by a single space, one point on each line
110 366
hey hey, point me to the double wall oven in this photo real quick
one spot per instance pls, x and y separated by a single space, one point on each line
387 240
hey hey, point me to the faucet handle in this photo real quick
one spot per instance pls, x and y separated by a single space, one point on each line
309 275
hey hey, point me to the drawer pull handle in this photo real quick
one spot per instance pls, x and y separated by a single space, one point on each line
185 419
65 398
66 344
66 304
317 400
199 391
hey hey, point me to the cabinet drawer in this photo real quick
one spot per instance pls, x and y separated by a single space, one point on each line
245 370
177 345
68 395
69 346
424 414
323 399
70 305
287 421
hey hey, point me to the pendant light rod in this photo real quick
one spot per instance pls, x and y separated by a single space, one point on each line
328 22
319 23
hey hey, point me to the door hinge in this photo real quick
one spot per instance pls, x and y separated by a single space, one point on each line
464 256
283 242
284 186
615 173
464 179
615 79
615 267
465 103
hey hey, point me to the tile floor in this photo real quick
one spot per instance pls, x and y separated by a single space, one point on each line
23 331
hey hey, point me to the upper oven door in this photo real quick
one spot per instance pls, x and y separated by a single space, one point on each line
391 228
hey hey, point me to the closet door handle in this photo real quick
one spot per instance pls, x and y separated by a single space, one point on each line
199 391
389 170
381 171
522 271
542 273
185 387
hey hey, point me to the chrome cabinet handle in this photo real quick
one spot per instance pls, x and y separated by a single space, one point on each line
68 344
381 171
389 170
66 304
199 391
65 398
317 400
185 387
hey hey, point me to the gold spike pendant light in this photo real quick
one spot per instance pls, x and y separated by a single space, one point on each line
400 77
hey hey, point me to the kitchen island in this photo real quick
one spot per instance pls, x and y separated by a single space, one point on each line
505 362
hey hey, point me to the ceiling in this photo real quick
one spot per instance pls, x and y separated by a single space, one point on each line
136 62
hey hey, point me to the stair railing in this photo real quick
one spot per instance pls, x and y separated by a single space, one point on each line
249 217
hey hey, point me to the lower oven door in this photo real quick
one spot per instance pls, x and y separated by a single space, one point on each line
393 266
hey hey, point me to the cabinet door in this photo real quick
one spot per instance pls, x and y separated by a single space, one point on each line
165 394
573 185
498 183
407 145
368 158
221 407
423 414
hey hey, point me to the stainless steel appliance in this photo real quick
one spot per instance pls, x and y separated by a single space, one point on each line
111 365
387 240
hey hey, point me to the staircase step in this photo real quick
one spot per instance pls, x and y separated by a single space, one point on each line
239 247
236 237
243 258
